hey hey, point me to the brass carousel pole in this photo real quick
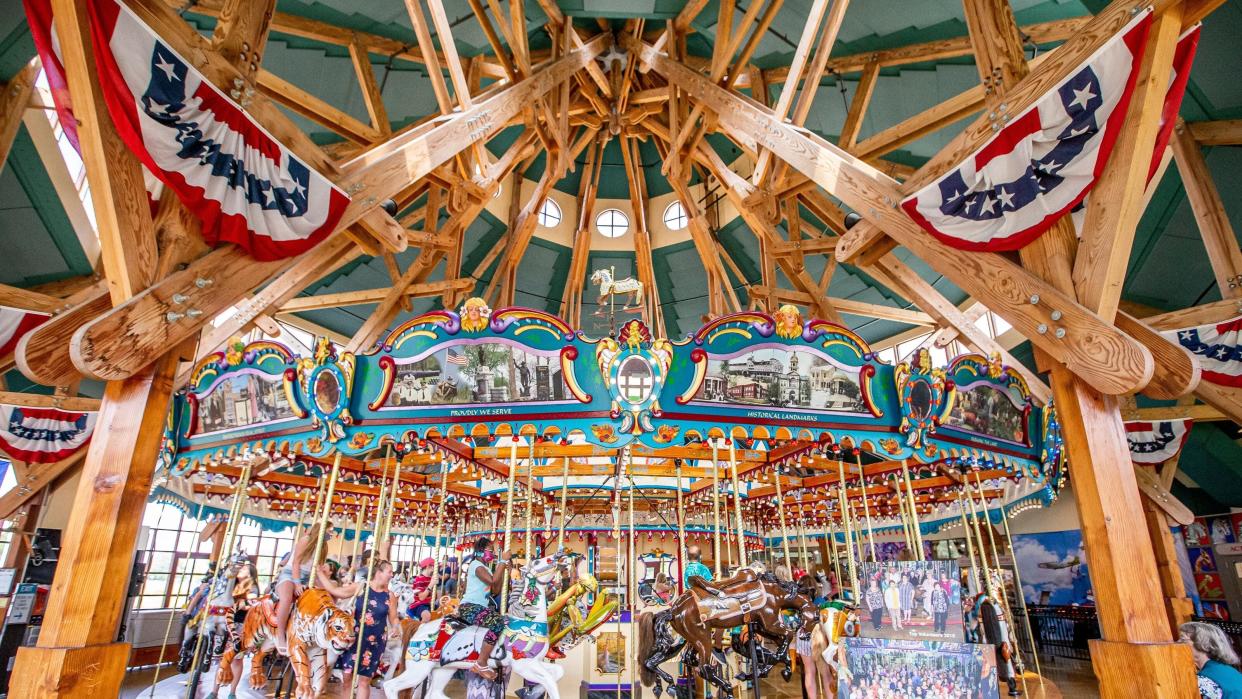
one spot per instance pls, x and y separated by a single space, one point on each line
632 646
159 664
906 534
716 549
681 534
230 532
1000 575
845 517
440 507
970 547
380 526
564 504
832 542
530 499
862 479
302 513
325 518
780 511
737 506
914 510
504 590
1017 581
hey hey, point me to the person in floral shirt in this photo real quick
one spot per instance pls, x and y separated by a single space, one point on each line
379 618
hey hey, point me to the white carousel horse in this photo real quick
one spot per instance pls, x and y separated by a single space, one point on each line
522 646
620 287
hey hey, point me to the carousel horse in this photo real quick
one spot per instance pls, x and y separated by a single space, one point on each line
747 598
319 631
985 623
218 625
258 638
571 621
392 662
442 646
836 621
608 288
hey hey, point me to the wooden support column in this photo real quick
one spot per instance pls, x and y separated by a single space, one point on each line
1136 649
77 654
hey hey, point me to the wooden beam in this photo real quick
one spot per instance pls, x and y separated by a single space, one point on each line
368 296
37 477
304 103
899 277
371 95
126 233
384 170
1041 34
1206 314
1209 209
36 400
1110 360
14 98
1115 206
858 308
1227 132
1177 370
23 299
241 32
1197 412
997 43
919 125
858 106
77 645
686 17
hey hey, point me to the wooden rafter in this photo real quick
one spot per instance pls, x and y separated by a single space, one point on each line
1209 209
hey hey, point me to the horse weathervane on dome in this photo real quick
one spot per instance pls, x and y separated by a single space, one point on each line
609 288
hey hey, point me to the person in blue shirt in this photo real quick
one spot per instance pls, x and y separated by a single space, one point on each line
1216 659
695 567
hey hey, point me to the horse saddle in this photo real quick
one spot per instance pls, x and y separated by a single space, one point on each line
732 603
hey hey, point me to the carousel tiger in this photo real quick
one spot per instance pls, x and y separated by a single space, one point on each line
319 631
258 637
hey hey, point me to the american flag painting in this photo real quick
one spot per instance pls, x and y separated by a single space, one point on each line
456 358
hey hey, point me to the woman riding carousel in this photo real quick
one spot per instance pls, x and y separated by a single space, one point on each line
476 606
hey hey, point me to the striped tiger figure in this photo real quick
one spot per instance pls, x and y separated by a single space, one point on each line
319 631
258 636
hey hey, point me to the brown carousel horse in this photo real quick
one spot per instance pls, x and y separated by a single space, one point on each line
748 598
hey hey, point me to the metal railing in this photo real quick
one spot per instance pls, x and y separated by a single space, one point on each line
1059 632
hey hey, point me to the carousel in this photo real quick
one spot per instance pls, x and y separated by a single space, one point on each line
459 347
775 451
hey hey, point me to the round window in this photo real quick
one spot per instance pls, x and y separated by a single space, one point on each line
675 216
612 223
549 214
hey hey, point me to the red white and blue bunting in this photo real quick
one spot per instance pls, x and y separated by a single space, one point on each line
43 435
1044 161
15 323
1157 442
1218 348
243 184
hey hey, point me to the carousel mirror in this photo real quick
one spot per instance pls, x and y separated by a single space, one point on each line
920 399
327 392
635 380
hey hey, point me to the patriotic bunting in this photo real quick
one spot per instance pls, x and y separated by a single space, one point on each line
14 323
1156 442
244 185
43 435
1044 161
1218 348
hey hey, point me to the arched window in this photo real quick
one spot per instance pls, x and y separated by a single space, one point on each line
549 214
612 223
675 216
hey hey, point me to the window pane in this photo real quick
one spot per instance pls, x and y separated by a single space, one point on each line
160 562
165 540
549 214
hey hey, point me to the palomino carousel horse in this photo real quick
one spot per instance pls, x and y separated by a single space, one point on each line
441 647
620 287
747 598
571 621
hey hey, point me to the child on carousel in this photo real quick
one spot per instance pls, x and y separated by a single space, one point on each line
420 608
